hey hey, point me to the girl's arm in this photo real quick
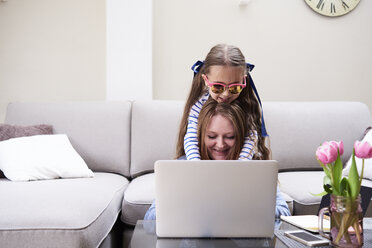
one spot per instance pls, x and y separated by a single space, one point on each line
190 142
249 146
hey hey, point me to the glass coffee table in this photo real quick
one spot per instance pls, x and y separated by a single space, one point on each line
144 236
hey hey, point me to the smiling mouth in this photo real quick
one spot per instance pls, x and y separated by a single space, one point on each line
220 152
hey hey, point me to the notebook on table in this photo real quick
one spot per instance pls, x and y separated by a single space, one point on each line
307 222
209 198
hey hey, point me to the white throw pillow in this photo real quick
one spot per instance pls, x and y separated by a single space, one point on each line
367 162
41 157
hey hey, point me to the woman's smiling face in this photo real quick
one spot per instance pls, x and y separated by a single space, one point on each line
219 137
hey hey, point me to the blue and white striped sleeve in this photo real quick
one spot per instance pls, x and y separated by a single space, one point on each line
190 142
249 146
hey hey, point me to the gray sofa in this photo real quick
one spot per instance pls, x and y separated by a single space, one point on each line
120 141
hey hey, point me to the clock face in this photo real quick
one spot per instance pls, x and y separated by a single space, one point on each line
332 7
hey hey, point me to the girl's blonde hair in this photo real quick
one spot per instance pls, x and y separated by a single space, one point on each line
234 113
225 55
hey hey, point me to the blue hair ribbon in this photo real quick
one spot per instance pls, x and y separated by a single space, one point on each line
263 126
249 67
196 67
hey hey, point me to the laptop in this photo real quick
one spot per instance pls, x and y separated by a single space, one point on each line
215 198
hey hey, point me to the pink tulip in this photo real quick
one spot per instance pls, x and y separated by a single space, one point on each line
363 149
327 152
337 145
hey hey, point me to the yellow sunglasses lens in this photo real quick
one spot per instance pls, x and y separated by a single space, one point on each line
235 89
217 89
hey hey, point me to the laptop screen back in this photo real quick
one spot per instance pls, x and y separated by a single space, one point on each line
206 198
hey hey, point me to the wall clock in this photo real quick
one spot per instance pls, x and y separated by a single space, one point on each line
332 7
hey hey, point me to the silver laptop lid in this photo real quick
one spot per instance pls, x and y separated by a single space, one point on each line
208 198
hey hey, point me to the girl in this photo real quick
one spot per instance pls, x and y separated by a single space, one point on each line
221 132
223 76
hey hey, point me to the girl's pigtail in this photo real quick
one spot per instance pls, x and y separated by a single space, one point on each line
263 127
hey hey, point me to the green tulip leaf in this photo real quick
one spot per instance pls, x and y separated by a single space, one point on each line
325 168
345 187
320 194
353 178
337 174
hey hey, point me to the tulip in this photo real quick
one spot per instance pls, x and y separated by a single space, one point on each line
363 149
327 152
337 145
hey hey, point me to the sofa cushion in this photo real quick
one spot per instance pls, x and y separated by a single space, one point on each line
41 157
138 198
13 131
299 185
287 124
60 213
99 131
297 128
367 174
155 127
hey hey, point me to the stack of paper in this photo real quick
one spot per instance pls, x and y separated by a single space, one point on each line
307 222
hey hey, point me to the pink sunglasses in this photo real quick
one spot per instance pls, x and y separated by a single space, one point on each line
219 88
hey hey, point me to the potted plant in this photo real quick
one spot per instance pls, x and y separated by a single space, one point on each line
345 209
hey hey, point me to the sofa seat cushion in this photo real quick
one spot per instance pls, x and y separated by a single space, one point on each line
299 185
60 213
138 198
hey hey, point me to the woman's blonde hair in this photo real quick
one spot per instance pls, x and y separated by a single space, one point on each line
225 55
234 113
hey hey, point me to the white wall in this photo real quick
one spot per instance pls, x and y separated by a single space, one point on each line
129 49
52 51
56 50
299 55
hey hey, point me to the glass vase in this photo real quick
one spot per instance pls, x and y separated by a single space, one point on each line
346 218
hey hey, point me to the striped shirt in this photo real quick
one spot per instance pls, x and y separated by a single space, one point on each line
191 144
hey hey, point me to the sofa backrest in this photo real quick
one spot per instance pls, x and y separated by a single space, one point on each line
155 127
99 131
127 138
296 129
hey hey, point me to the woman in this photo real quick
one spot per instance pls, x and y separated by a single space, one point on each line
221 131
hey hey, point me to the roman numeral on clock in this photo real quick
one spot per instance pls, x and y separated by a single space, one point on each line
345 5
333 8
320 4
